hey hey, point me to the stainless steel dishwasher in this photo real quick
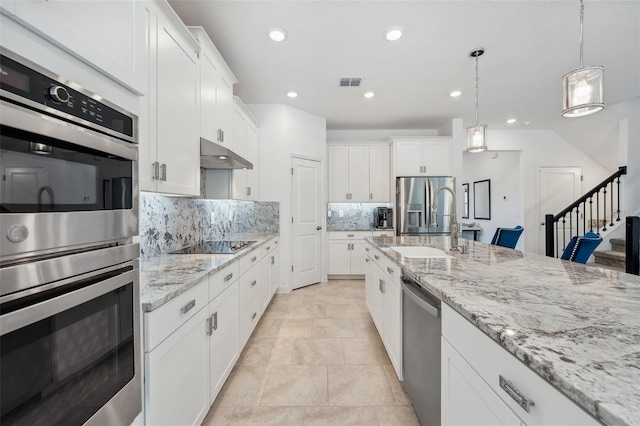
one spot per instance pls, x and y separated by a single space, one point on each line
421 322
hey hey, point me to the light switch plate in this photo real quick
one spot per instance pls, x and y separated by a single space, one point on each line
340 213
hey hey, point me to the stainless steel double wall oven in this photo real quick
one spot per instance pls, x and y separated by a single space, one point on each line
69 289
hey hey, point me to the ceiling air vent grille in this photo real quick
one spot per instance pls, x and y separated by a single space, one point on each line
350 82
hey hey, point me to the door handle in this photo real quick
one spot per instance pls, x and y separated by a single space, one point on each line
542 223
318 228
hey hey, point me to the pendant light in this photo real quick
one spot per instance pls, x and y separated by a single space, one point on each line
477 134
582 88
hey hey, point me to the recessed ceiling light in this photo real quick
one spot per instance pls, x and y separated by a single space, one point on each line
369 94
393 34
222 157
527 123
511 121
277 34
455 93
292 94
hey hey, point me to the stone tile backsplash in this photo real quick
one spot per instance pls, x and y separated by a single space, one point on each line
170 223
354 215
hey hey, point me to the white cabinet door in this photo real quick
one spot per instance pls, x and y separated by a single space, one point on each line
339 257
359 174
109 35
178 111
177 376
209 76
251 180
408 158
224 340
466 398
357 257
379 179
436 158
338 173
224 110
393 324
275 270
377 299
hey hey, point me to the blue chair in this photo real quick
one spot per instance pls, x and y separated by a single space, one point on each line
507 237
580 248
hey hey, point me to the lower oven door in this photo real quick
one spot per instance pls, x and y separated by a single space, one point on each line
70 354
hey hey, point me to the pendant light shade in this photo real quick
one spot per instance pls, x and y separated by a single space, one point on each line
582 89
477 134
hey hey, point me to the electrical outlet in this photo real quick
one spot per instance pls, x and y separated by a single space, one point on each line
340 213
329 213
213 218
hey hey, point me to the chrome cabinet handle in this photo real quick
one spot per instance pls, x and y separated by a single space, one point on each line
248 190
376 257
347 196
273 260
215 320
367 249
228 277
350 235
517 396
268 248
253 283
254 258
156 170
366 260
253 315
209 326
389 270
186 308
317 228
371 195
163 171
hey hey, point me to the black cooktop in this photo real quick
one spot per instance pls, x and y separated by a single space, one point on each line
215 247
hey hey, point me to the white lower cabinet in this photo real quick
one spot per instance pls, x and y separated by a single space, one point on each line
177 376
383 296
473 392
347 252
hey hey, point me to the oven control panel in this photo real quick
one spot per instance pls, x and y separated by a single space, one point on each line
37 87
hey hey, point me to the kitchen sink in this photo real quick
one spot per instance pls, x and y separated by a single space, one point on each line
420 252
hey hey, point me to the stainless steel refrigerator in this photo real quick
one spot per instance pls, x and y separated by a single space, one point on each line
416 198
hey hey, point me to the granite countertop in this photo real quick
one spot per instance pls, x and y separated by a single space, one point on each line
356 228
576 326
165 277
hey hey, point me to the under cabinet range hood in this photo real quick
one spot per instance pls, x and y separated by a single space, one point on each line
216 156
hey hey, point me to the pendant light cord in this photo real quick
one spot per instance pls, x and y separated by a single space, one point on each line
477 80
581 31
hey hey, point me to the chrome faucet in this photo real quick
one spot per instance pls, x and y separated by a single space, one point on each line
454 220
49 191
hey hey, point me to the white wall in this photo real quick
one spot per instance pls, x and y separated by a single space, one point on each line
542 148
629 153
507 202
375 135
286 132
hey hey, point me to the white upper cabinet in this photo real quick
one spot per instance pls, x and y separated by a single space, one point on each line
216 92
359 173
429 156
244 184
108 35
170 146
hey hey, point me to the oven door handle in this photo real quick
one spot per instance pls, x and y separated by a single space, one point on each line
31 314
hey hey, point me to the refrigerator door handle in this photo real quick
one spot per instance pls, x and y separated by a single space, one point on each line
430 202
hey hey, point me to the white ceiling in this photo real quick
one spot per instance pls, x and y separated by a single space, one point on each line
529 46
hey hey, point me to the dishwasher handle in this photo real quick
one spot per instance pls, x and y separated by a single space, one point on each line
408 289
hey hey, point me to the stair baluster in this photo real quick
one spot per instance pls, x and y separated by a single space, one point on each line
618 219
604 213
611 224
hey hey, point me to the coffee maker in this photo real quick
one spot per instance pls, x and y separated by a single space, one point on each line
383 217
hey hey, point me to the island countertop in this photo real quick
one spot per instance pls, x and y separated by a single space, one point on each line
576 326
164 277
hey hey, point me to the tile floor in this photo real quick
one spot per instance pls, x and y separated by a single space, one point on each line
315 358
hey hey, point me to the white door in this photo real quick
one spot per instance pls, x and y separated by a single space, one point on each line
557 188
306 208
20 185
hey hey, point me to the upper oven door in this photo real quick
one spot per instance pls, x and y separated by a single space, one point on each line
63 186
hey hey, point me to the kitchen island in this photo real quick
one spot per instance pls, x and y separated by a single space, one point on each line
576 326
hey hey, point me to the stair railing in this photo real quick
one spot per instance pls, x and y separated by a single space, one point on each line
561 227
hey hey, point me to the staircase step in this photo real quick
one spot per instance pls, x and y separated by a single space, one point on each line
618 244
610 258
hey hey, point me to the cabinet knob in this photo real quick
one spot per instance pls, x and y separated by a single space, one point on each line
228 277
253 283
253 315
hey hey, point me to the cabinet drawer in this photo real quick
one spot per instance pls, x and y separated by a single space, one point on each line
249 260
159 324
348 235
222 279
392 270
249 318
385 233
269 246
491 361
250 283
378 257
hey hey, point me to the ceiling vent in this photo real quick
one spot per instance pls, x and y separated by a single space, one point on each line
350 82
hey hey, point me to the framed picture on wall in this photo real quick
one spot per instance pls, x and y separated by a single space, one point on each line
465 201
482 199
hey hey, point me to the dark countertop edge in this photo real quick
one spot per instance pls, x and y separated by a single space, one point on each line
196 276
